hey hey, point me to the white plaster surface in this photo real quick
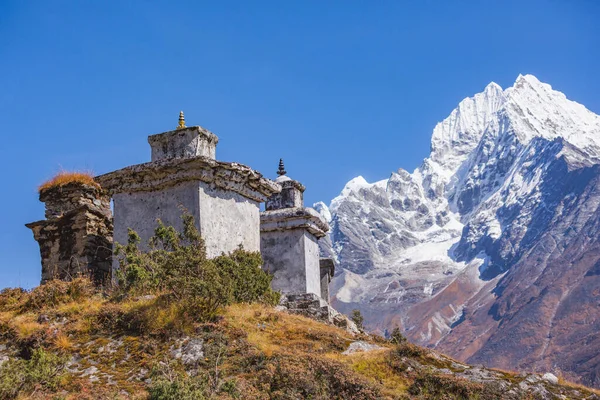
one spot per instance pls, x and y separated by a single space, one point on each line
313 269
225 219
140 210
292 256
228 219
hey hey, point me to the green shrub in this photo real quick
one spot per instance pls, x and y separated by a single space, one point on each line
171 382
249 282
43 369
176 268
182 388
397 337
357 318
230 387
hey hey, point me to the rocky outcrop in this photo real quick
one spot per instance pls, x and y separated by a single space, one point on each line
312 306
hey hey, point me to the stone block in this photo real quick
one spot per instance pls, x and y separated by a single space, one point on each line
188 142
327 269
291 195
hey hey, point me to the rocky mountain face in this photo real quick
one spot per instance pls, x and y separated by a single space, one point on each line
489 250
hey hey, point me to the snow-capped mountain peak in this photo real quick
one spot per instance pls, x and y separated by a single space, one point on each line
352 188
457 135
471 207
536 110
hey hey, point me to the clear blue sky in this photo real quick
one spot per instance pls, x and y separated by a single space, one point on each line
336 88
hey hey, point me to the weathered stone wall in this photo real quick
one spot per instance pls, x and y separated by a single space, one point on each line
225 219
292 257
313 270
182 143
327 267
291 195
76 238
141 210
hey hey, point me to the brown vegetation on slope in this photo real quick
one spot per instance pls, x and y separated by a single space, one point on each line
63 340
181 326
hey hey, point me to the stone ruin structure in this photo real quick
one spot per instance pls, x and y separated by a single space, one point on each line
76 237
223 197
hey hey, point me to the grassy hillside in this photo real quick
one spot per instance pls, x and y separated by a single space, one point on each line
65 341
181 326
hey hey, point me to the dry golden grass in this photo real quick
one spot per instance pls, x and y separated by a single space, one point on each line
25 325
374 365
276 333
62 342
65 177
87 306
563 382
257 337
6 316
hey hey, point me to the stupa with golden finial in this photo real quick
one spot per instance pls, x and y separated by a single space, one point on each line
181 124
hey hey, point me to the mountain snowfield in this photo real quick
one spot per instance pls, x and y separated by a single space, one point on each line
449 251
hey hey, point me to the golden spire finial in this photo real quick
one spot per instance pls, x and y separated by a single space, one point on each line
181 121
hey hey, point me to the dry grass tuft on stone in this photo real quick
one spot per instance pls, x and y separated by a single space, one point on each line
66 177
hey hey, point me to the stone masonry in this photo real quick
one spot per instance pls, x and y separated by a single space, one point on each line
183 176
327 269
76 237
289 234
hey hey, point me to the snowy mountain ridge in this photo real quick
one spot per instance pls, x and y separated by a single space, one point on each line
466 210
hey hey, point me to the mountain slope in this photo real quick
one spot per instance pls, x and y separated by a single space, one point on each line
78 344
488 250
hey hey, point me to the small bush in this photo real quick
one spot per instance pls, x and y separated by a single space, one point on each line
170 383
249 282
357 318
397 337
176 268
407 349
63 343
43 369
314 378
182 388
136 320
7 332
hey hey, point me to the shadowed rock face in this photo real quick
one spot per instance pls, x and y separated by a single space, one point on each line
543 313
489 250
